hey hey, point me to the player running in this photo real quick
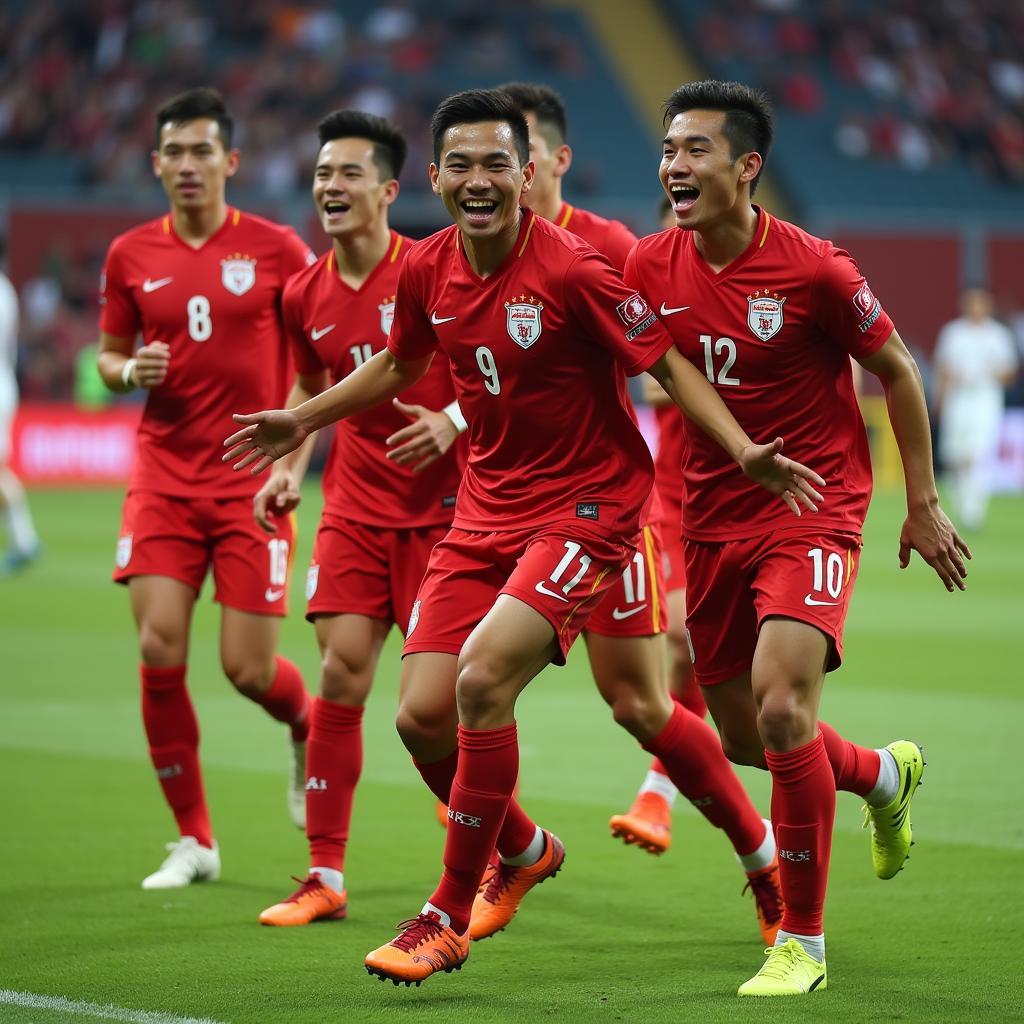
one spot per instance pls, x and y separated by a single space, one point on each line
770 315
203 286
534 323
379 521
625 635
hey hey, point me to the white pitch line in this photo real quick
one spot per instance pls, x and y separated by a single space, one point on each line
105 1011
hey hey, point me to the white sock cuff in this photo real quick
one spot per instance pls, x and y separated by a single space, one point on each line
763 855
888 783
429 908
531 854
814 945
331 877
655 782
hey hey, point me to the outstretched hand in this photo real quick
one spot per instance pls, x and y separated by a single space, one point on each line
790 480
425 440
928 531
265 437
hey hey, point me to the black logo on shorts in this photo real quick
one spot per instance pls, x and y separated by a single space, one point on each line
588 510
448 501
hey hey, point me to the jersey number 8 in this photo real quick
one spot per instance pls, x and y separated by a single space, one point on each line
200 326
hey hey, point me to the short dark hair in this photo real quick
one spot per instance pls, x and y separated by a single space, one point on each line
546 106
389 146
475 105
748 114
194 104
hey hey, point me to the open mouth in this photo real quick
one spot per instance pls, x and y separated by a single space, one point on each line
335 209
479 211
683 197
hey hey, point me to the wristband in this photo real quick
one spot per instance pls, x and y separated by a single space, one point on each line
454 413
128 378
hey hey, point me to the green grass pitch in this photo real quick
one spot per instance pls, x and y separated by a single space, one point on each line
618 936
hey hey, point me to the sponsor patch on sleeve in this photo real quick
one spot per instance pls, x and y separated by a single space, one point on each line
635 314
868 308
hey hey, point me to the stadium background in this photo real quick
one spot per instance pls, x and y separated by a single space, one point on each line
900 135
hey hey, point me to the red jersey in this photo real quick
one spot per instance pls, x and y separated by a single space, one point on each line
611 238
773 332
668 462
218 307
335 327
533 349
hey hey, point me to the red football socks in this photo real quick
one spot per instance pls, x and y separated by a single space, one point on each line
287 699
173 735
439 775
803 813
855 768
693 759
334 760
486 776
693 700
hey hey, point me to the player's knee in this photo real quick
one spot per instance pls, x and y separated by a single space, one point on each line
482 690
248 675
743 750
344 678
422 729
783 722
159 646
640 713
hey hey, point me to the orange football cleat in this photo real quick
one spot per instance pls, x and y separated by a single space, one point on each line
425 947
767 890
497 902
648 824
312 901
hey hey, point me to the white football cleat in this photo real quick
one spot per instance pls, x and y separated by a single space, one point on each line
297 784
189 862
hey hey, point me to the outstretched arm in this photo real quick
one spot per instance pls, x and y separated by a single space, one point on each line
271 434
699 401
927 528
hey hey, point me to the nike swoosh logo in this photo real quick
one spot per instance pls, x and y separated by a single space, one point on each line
435 319
316 334
808 600
151 286
665 311
273 595
619 616
542 589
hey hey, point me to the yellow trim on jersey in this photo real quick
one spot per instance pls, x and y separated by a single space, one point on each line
167 224
576 607
652 580
526 240
569 211
849 565
767 224
236 216
398 245
330 262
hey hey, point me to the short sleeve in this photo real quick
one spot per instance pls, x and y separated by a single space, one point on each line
119 315
295 254
307 359
412 336
1006 351
616 316
844 306
618 243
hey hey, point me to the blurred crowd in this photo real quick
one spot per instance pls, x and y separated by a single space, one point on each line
924 81
81 79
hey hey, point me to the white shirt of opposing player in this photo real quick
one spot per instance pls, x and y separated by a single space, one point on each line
974 357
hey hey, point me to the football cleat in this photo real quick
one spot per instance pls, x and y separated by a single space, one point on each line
789 970
891 833
297 783
647 824
188 862
312 901
441 810
498 901
425 947
17 559
767 890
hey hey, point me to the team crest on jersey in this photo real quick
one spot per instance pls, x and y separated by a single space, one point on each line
238 273
522 318
124 550
414 618
312 579
387 314
764 314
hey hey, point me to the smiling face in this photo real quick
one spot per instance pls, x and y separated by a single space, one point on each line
348 191
192 164
480 178
701 177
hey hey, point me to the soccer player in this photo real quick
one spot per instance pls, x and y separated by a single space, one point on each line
24 547
533 322
380 520
975 359
203 286
770 315
625 635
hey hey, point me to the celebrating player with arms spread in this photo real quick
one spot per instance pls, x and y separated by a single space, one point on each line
771 316
533 322
380 521
203 285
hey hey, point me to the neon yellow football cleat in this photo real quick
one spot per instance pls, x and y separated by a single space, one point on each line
789 970
891 834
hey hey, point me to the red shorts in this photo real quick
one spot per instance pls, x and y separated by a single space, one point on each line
672 542
635 603
735 585
561 571
182 538
360 569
